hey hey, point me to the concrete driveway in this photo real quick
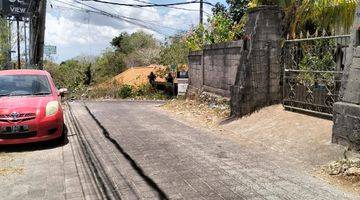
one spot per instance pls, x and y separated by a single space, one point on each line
131 150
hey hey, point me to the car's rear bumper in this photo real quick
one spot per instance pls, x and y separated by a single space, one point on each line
47 129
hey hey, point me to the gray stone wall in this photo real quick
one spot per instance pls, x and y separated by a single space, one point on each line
195 69
259 76
346 128
214 68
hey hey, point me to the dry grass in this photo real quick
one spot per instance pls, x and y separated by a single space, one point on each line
211 115
5 170
6 157
11 170
344 173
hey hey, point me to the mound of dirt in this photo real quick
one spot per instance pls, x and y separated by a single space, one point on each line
135 76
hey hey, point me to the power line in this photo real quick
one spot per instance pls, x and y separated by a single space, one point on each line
69 4
149 5
134 21
98 11
127 19
141 1
174 7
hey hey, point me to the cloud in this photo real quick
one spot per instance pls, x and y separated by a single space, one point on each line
63 31
73 29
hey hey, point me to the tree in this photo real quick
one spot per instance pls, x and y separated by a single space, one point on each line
69 74
195 38
4 42
109 64
219 29
117 41
310 15
237 9
138 49
219 8
125 43
175 51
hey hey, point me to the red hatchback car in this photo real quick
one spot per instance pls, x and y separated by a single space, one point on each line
30 109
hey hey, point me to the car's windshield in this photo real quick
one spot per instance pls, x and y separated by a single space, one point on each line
24 85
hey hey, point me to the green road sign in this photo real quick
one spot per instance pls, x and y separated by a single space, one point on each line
173 67
50 50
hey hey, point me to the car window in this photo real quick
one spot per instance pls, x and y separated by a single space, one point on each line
21 85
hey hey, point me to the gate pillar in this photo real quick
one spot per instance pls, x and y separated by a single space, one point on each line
258 76
346 129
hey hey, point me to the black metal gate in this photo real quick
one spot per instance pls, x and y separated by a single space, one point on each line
312 73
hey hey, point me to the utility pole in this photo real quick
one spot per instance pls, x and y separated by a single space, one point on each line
26 47
37 33
18 42
9 65
201 11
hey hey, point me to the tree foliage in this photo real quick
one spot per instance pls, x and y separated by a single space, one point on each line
69 74
174 51
107 65
4 42
138 48
311 15
237 9
218 8
220 28
128 43
226 24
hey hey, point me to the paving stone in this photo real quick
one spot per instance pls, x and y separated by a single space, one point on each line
155 154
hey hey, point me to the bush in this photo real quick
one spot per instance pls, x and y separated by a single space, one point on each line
115 90
126 91
145 90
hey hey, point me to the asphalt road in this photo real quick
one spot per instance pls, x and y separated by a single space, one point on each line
133 150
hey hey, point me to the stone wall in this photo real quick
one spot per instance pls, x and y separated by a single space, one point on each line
195 69
214 68
346 128
258 79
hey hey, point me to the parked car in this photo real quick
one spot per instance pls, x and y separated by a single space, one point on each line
30 109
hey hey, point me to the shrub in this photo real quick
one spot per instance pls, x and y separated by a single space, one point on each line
125 91
145 90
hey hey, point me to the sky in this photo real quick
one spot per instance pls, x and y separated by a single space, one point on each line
78 33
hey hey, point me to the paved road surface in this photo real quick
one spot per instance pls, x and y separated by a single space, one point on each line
142 153
131 150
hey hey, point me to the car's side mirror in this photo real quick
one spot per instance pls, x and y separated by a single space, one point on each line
63 91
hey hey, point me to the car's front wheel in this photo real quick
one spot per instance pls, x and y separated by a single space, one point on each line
63 139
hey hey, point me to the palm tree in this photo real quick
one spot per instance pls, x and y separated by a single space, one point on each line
310 15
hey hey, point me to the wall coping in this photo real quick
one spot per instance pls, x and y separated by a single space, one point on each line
224 45
196 53
264 7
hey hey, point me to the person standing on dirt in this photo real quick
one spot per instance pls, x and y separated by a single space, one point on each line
170 84
170 78
152 78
